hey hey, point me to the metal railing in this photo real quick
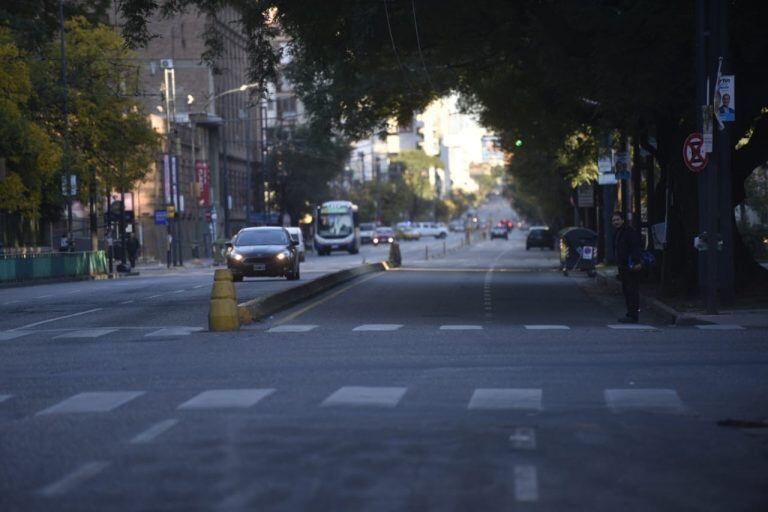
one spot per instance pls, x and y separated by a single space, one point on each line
47 265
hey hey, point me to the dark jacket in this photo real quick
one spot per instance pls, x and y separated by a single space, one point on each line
626 245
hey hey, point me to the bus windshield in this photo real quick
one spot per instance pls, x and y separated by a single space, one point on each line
335 225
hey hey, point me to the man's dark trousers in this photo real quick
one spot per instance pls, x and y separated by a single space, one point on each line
630 287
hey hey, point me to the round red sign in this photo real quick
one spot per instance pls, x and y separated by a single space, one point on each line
694 156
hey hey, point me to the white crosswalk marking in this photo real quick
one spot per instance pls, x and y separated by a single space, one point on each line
99 401
506 398
461 327
292 328
664 400
526 483
547 327
226 398
3 398
365 396
377 327
154 431
75 478
173 331
524 438
85 333
720 327
631 327
12 335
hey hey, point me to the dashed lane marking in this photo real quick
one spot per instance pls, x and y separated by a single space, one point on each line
226 398
200 286
97 401
461 327
155 296
179 291
632 327
365 396
506 398
35 324
524 438
154 431
44 296
377 327
292 328
12 335
547 327
526 483
659 400
75 478
720 327
86 333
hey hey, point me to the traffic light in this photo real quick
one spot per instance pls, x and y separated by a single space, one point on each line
519 143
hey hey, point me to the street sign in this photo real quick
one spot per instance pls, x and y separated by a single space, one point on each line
605 175
586 196
161 217
694 156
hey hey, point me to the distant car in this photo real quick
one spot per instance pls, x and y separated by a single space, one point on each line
383 235
499 232
456 225
408 233
539 236
435 229
263 252
366 232
298 236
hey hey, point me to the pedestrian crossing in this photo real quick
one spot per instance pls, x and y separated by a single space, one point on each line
615 400
101 332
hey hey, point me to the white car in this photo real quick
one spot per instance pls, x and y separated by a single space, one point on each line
435 229
367 230
297 235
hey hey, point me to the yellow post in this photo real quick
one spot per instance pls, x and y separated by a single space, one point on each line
223 314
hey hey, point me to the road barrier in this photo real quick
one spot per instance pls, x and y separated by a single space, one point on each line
30 267
223 313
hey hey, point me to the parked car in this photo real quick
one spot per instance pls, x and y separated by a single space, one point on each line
499 232
407 233
298 236
366 232
456 225
383 235
435 229
263 252
539 236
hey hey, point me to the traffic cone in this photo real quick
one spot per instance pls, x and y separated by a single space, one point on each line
223 315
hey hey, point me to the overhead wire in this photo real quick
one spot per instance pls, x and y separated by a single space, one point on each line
394 46
418 45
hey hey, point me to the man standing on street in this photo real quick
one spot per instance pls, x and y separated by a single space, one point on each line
626 247
133 249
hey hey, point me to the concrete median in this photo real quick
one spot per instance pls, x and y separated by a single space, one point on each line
264 306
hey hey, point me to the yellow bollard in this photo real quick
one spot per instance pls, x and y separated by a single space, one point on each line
223 314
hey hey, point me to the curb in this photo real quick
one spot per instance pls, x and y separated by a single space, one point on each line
265 306
669 314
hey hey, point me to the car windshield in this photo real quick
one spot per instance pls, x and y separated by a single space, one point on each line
334 225
261 237
366 227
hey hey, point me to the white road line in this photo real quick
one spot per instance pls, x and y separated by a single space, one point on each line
44 296
365 396
98 401
292 328
720 327
72 292
179 291
661 400
155 296
56 319
524 438
75 478
547 327
85 333
632 327
9 335
10 302
173 331
229 398
377 327
3 398
126 302
200 286
506 398
526 483
461 327
154 431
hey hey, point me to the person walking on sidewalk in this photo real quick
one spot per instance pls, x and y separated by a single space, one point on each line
626 247
133 249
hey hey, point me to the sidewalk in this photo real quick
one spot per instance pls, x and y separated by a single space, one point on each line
156 267
727 318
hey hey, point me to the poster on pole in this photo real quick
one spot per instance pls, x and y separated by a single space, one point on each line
725 99
174 183
621 165
167 178
605 175
202 173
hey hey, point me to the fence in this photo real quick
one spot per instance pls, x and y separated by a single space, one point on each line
33 266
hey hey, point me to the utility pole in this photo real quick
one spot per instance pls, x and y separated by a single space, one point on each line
67 188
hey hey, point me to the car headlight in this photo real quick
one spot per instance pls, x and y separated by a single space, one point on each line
390 240
281 256
375 240
236 256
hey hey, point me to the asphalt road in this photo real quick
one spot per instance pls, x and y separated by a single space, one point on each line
482 380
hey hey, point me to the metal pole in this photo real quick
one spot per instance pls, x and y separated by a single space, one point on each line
65 116
225 180
248 170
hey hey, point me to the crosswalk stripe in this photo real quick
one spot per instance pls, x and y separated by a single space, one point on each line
3 398
632 327
365 396
526 483
98 401
720 327
377 327
643 399
506 398
173 331
292 328
154 431
12 335
226 398
85 333
461 327
73 479
547 327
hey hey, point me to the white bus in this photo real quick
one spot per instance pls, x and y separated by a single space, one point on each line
337 228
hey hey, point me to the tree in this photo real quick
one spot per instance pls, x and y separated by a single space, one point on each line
416 167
